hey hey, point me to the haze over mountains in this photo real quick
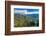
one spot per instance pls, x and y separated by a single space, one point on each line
27 12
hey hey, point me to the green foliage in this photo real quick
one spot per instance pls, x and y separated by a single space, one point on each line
23 21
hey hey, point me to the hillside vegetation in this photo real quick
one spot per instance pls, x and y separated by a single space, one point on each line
25 21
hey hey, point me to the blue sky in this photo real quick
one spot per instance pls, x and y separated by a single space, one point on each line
28 10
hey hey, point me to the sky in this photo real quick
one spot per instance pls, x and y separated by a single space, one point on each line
26 11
